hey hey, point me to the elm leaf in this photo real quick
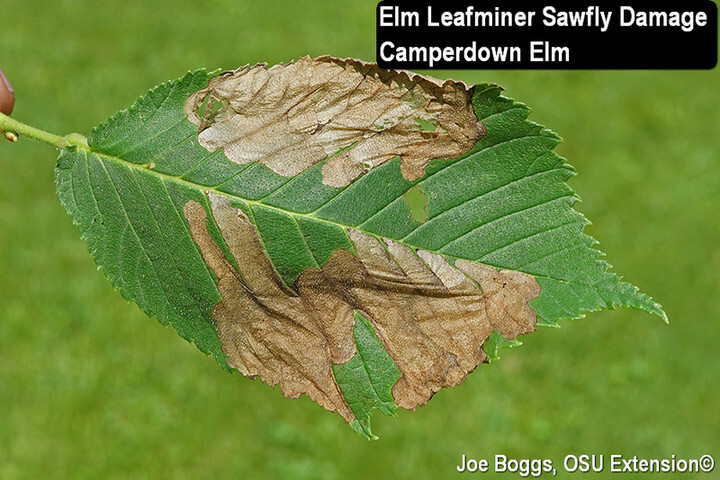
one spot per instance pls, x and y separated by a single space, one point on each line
362 236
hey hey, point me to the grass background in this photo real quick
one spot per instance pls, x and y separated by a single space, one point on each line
91 388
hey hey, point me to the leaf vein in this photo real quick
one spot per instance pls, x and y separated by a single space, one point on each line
137 237
500 218
541 232
145 119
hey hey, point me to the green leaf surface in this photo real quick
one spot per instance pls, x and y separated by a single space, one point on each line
503 204
367 378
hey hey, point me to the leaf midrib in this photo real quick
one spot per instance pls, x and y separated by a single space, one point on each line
142 168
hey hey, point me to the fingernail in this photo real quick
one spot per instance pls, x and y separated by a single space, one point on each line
7 97
6 82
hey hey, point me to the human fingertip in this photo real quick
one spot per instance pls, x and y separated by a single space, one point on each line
7 95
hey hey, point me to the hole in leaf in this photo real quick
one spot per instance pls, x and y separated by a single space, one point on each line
417 202
209 108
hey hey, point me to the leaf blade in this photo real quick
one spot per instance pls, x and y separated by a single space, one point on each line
367 378
504 203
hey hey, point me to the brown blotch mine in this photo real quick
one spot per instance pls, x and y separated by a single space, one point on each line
265 329
291 116
432 317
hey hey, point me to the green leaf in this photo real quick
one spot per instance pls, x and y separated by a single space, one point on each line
366 269
367 378
495 342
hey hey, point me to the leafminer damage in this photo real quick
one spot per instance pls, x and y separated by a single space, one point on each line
354 114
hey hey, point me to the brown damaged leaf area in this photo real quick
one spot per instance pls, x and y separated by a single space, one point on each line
432 317
291 116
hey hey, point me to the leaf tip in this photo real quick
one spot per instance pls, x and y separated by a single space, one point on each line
658 310
495 342
363 429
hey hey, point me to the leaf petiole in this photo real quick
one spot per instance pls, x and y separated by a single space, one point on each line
9 125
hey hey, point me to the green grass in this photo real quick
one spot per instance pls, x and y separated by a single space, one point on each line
91 388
